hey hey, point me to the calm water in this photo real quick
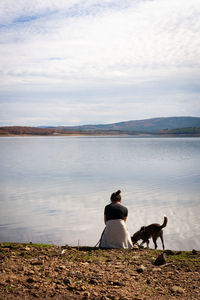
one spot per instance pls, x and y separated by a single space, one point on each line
54 189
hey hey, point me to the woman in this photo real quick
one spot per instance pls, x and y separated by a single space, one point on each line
115 234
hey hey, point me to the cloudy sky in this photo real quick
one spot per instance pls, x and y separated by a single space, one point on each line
69 62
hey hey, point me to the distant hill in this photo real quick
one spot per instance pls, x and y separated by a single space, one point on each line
25 130
154 125
164 126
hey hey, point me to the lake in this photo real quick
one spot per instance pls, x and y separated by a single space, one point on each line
54 189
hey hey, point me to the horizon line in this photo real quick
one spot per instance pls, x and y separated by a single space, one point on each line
96 124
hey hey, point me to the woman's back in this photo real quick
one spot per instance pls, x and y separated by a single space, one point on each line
115 211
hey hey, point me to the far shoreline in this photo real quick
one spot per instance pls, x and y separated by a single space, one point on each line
145 135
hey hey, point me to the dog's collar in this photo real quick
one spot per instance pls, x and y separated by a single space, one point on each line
142 230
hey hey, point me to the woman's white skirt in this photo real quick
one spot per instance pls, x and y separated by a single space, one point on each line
116 235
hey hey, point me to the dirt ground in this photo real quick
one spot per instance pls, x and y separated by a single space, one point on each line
29 271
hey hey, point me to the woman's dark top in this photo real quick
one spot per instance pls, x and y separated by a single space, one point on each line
115 211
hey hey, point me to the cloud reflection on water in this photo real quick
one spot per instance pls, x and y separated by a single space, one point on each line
58 193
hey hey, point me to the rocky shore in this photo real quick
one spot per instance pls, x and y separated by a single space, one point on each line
30 271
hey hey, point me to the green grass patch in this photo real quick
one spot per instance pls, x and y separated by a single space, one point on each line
13 245
40 245
185 258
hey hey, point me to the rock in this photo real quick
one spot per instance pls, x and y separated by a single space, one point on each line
86 295
141 269
34 295
6 249
117 283
84 263
30 280
112 297
66 247
148 281
194 252
156 270
161 259
169 252
177 289
28 272
93 281
67 281
71 287
82 288
36 263
62 267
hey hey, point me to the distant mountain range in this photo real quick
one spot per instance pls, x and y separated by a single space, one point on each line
162 126
146 126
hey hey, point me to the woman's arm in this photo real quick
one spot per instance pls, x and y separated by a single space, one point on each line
125 218
105 218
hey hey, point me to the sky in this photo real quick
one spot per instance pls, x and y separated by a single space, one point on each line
72 62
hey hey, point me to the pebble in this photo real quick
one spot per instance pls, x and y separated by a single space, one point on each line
62 267
93 281
141 269
30 280
67 281
148 281
86 295
156 270
177 289
117 283
36 263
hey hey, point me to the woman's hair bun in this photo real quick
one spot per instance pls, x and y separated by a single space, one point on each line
118 192
116 196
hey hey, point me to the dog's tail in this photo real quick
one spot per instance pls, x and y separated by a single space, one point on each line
164 223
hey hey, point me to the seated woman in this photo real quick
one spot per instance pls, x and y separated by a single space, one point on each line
115 234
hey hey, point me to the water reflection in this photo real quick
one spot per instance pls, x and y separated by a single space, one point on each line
55 189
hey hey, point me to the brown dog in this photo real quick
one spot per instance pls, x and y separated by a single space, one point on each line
151 231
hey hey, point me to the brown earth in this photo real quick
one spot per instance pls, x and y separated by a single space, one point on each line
29 271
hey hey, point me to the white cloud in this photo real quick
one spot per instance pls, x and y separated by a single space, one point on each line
78 46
